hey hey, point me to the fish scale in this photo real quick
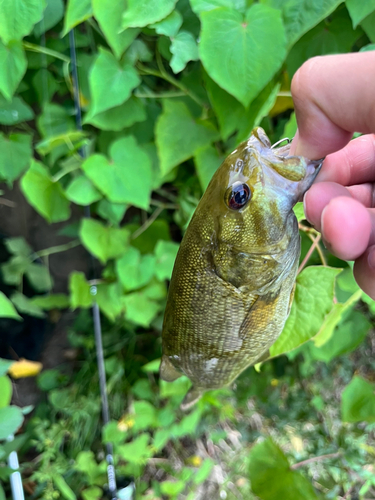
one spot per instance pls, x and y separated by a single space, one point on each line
233 280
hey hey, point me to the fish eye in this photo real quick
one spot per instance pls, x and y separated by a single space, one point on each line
237 195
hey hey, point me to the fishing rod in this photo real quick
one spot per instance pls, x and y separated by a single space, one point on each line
111 473
127 491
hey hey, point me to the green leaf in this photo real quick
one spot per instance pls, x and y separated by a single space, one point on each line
359 10
140 13
13 64
109 300
271 476
54 120
112 434
79 289
53 13
46 196
145 415
77 11
170 25
82 192
14 269
2 493
17 18
5 391
103 242
290 128
15 111
152 367
119 117
140 309
366 48
45 85
165 253
11 419
18 246
108 15
67 139
300 16
172 488
63 487
111 83
134 270
127 178
113 212
204 471
7 309
199 6
333 319
313 300
92 493
39 277
345 338
137 451
178 387
332 36
184 49
53 301
178 135
15 155
254 51
25 306
368 26
232 115
161 438
5 364
358 401
299 211
207 160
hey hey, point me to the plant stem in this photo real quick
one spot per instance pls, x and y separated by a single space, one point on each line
8 203
161 95
166 76
308 255
315 459
56 249
65 171
147 223
32 47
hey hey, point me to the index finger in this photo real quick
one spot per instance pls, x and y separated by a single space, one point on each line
334 96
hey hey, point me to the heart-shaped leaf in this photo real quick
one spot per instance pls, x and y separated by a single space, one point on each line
125 179
140 13
103 242
110 82
178 135
242 54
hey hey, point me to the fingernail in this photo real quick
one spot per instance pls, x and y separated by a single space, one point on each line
326 243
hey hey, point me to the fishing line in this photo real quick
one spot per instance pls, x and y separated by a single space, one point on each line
111 474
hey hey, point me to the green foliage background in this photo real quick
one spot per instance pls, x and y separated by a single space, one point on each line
168 88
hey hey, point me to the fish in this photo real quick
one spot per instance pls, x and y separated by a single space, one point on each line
233 280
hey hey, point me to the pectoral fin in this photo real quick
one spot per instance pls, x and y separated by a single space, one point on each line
191 398
167 371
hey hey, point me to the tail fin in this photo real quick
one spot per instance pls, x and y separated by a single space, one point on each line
191 398
167 371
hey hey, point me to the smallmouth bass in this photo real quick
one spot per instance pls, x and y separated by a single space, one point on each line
233 280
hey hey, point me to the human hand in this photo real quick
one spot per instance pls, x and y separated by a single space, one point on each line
334 96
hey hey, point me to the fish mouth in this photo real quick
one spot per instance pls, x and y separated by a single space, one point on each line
313 168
